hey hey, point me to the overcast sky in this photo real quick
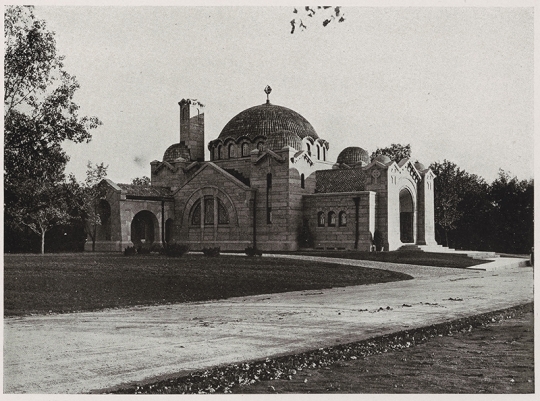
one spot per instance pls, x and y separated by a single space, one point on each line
455 83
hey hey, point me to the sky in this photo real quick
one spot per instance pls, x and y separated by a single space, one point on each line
455 83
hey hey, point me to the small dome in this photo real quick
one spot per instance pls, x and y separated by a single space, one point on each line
279 139
175 151
383 159
353 155
419 166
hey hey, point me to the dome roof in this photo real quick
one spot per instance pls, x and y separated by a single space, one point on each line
419 166
279 139
382 159
353 155
265 119
175 151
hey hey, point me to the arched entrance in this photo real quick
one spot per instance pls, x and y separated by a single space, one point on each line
104 211
144 228
406 216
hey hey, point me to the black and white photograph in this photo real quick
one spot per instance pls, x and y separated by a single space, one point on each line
269 198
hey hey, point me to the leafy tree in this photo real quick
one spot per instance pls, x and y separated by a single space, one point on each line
141 181
459 201
327 14
42 205
396 152
39 114
87 197
512 213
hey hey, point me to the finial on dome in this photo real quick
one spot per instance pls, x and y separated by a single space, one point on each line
267 90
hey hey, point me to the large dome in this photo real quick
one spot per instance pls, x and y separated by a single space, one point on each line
265 119
279 139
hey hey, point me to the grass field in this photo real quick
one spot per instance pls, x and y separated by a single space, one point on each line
52 283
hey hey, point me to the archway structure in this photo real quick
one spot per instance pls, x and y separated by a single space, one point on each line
406 216
144 228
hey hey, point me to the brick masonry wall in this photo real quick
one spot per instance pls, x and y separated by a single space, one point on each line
328 237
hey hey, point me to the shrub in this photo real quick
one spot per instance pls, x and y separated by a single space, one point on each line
212 252
250 251
156 248
378 240
176 250
129 251
143 250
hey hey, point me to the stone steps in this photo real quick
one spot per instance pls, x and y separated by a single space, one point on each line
441 249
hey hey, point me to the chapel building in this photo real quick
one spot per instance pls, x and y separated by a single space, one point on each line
271 183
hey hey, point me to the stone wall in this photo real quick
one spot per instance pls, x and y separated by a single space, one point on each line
341 236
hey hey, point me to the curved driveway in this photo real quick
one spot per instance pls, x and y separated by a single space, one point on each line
85 352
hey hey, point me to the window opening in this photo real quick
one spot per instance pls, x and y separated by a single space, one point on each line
320 219
331 219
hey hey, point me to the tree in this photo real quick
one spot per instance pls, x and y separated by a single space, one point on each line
42 206
39 114
328 14
458 198
396 152
512 213
88 196
141 181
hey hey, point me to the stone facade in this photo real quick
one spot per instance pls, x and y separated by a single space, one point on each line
270 183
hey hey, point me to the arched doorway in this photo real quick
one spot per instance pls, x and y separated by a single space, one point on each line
144 228
104 211
406 216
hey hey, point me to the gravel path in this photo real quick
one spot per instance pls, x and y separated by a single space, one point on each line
84 352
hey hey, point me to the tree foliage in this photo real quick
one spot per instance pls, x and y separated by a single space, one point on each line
141 181
396 152
472 214
87 196
42 205
325 15
39 114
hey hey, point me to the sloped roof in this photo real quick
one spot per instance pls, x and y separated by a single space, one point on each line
150 191
340 180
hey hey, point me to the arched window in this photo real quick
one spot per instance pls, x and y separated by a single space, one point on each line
223 215
320 219
209 210
220 152
260 146
331 219
302 181
245 149
308 149
209 202
324 153
269 180
318 152
196 214
342 219
231 150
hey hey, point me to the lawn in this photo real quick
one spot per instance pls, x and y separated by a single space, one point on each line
58 283
405 257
